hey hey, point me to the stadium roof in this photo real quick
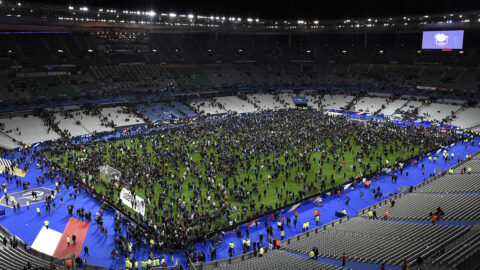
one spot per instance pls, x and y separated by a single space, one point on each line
18 16
286 9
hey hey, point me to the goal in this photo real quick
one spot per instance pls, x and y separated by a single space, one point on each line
109 173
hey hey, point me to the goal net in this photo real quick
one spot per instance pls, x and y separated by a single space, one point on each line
110 174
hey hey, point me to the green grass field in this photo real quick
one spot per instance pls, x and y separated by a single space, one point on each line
407 151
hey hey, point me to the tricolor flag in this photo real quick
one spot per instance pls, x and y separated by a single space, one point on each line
54 243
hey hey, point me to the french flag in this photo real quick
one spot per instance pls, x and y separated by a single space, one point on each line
54 243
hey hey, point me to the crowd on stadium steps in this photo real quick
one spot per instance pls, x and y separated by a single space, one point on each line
227 147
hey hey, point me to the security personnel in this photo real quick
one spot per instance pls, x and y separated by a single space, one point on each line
156 262
130 247
344 211
469 170
430 158
28 204
144 264
370 214
311 254
231 248
248 243
149 262
317 219
68 240
38 211
434 159
450 171
136 264
46 223
260 252
304 226
151 243
162 261
282 234
128 264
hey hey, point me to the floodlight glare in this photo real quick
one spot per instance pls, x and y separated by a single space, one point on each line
190 16
173 15
151 13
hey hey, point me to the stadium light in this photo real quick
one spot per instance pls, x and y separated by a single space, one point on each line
84 8
151 13
172 15
60 50
315 22
90 50
300 22
249 19
70 8
191 16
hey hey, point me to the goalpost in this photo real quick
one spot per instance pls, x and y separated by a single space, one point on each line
109 173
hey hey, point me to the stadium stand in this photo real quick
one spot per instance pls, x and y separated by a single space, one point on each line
28 129
409 240
273 259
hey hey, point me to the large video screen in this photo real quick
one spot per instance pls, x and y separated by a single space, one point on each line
443 39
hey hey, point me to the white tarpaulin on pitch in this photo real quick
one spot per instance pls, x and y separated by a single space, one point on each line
127 198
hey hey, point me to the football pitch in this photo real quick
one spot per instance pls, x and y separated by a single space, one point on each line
191 179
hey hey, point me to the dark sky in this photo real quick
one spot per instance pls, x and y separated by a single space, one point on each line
290 9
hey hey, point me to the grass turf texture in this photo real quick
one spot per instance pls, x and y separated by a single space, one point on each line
271 198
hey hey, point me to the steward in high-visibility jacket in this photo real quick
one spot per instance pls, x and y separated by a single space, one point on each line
163 261
156 262
260 252
128 264
149 262
144 264
136 264
469 170
311 254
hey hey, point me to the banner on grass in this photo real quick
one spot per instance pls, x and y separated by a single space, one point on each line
137 203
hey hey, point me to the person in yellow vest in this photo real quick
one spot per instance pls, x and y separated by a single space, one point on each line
450 171
231 249
162 261
370 214
434 159
304 226
282 234
311 254
149 262
248 243
46 223
38 211
130 247
144 264
308 225
452 155
128 264
317 219
28 204
260 252
136 264
469 170
68 240
151 243
430 158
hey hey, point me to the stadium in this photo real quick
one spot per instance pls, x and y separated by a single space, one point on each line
136 139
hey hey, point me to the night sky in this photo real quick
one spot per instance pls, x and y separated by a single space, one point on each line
288 9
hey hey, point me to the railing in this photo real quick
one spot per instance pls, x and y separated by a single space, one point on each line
224 262
316 230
